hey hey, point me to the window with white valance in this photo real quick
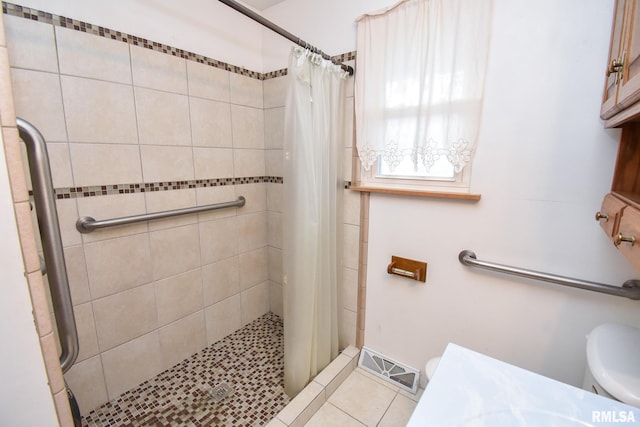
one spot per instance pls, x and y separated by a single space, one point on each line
419 83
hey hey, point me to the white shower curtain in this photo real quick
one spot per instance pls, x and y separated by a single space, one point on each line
312 216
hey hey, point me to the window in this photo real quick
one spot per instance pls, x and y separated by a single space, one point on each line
419 84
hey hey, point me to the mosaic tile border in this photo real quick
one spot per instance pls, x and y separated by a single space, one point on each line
148 187
85 27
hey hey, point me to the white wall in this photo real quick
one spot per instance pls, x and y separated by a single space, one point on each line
25 397
544 163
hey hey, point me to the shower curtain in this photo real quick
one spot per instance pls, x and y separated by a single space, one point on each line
312 255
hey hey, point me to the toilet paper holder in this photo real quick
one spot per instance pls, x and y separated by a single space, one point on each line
408 268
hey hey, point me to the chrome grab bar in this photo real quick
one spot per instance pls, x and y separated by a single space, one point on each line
87 224
629 289
56 270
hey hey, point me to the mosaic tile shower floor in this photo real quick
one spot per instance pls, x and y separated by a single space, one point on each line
250 361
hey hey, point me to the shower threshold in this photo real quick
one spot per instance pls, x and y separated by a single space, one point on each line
238 381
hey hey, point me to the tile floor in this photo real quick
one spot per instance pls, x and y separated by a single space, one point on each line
365 400
250 361
343 396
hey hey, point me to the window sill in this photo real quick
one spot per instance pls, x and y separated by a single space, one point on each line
416 193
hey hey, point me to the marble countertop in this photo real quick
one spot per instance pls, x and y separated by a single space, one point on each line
470 389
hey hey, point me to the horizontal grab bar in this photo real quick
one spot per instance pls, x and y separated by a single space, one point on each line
87 224
629 289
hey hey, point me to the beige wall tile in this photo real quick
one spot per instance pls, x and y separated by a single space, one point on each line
100 164
255 195
248 162
275 265
212 163
174 250
213 195
245 90
349 288
274 196
67 217
347 328
16 162
112 206
100 112
124 316
38 100
87 55
208 82
351 207
118 264
210 123
7 107
275 91
222 319
254 267
351 245
157 70
182 339
247 127
274 162
274 128
31 44
220 280
60 161
27 237
218 239
52 362
304 405
39 300
163 118
274 224
179 296
166 163
87 337
87 383
158 201
252 231
275 298
132 363
255 302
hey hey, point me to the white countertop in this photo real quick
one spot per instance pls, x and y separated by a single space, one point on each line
470 389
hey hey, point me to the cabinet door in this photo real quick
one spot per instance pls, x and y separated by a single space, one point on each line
628 237
610 104
629 91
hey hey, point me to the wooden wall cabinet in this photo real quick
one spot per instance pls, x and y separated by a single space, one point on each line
619 215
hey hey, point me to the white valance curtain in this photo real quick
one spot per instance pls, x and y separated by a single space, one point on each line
312 215
419 81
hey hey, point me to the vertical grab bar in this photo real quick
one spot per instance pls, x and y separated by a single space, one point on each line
45 203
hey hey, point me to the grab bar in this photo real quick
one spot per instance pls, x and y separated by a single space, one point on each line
56 270
87 224
629 289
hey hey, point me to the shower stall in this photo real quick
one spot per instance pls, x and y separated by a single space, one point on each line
134 127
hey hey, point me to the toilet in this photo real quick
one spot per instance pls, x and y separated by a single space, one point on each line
612 369
430 367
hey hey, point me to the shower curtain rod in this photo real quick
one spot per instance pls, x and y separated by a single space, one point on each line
284 33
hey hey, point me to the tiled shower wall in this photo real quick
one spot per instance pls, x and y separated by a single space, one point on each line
132 130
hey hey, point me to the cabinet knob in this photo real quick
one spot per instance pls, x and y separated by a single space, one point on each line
615 66
620 238
600 216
